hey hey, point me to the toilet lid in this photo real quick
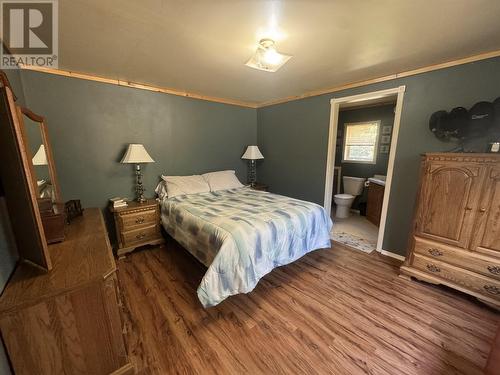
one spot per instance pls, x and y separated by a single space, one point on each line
344 196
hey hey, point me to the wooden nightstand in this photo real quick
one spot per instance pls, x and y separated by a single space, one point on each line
261 187
137 225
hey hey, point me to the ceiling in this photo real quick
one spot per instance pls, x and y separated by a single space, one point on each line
202 46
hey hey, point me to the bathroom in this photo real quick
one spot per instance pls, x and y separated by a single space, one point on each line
364 135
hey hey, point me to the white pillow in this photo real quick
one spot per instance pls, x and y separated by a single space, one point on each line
180 185
222 180
161 190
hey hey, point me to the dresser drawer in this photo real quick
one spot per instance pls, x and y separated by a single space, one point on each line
135 219
459 257
139 235
466 279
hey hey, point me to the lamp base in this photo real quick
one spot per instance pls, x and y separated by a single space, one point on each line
252 173
139 188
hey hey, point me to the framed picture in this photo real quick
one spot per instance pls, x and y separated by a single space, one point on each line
384 149
386 129
385 139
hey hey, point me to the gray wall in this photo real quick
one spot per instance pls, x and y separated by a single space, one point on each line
384 114
91 123
293 137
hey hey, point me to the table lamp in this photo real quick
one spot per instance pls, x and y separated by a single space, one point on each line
252 154
137 154
40 157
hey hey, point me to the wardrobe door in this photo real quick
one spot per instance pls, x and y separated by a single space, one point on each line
449 197
487 233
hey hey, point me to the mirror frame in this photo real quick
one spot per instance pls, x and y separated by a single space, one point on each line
17 180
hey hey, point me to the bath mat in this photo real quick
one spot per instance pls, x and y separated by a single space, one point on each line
353 241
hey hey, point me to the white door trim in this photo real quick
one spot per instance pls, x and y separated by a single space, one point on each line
332 143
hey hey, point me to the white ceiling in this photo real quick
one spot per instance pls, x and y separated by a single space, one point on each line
202 46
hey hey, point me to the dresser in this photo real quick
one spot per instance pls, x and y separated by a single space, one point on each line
137 225
456 233
67 320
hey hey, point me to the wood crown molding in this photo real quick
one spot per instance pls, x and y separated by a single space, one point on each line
136 85
165 90
430 68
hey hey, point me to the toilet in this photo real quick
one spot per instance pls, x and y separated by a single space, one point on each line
353 186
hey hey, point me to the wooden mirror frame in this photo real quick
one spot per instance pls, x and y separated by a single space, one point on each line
17 178
48 149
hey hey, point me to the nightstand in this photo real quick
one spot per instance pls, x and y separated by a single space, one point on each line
261 187
137 225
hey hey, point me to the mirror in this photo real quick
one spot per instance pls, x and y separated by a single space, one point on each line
39 154
17 181
38 157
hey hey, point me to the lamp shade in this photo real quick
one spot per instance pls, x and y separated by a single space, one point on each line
40 157
136 153
252 153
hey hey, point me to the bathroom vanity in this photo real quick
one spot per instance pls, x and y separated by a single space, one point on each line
376 188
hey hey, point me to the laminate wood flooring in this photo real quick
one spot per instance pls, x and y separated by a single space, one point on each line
334 311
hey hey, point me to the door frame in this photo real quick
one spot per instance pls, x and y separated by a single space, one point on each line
332 144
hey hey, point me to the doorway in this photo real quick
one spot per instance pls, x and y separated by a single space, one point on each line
354 148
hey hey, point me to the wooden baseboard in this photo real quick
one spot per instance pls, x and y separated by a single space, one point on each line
392 255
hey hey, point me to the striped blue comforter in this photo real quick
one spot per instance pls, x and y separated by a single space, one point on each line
243 234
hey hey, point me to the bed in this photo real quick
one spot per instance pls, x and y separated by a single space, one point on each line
242 234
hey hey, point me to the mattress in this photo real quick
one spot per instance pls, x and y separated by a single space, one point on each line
243 234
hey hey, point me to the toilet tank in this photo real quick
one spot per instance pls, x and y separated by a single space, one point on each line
353 185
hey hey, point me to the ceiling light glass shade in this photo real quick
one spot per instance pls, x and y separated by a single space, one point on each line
40 157
267 58
136 153
252 153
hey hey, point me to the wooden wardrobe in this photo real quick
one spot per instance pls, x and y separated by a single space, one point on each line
456 234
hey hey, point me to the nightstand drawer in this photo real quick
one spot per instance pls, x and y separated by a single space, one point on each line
143 218
136 225
140 235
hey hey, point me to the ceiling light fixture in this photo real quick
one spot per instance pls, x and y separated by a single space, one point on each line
266 57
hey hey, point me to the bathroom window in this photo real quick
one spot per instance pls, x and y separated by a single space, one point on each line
361 142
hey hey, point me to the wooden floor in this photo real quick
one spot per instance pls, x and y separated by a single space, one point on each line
315 316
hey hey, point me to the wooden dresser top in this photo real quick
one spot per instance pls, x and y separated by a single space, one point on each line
462 156
133 205
84 257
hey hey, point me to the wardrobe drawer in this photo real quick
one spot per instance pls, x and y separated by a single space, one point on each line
140 235
466 279
459 257
142 218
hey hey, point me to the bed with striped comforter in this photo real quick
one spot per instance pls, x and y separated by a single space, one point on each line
243 234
